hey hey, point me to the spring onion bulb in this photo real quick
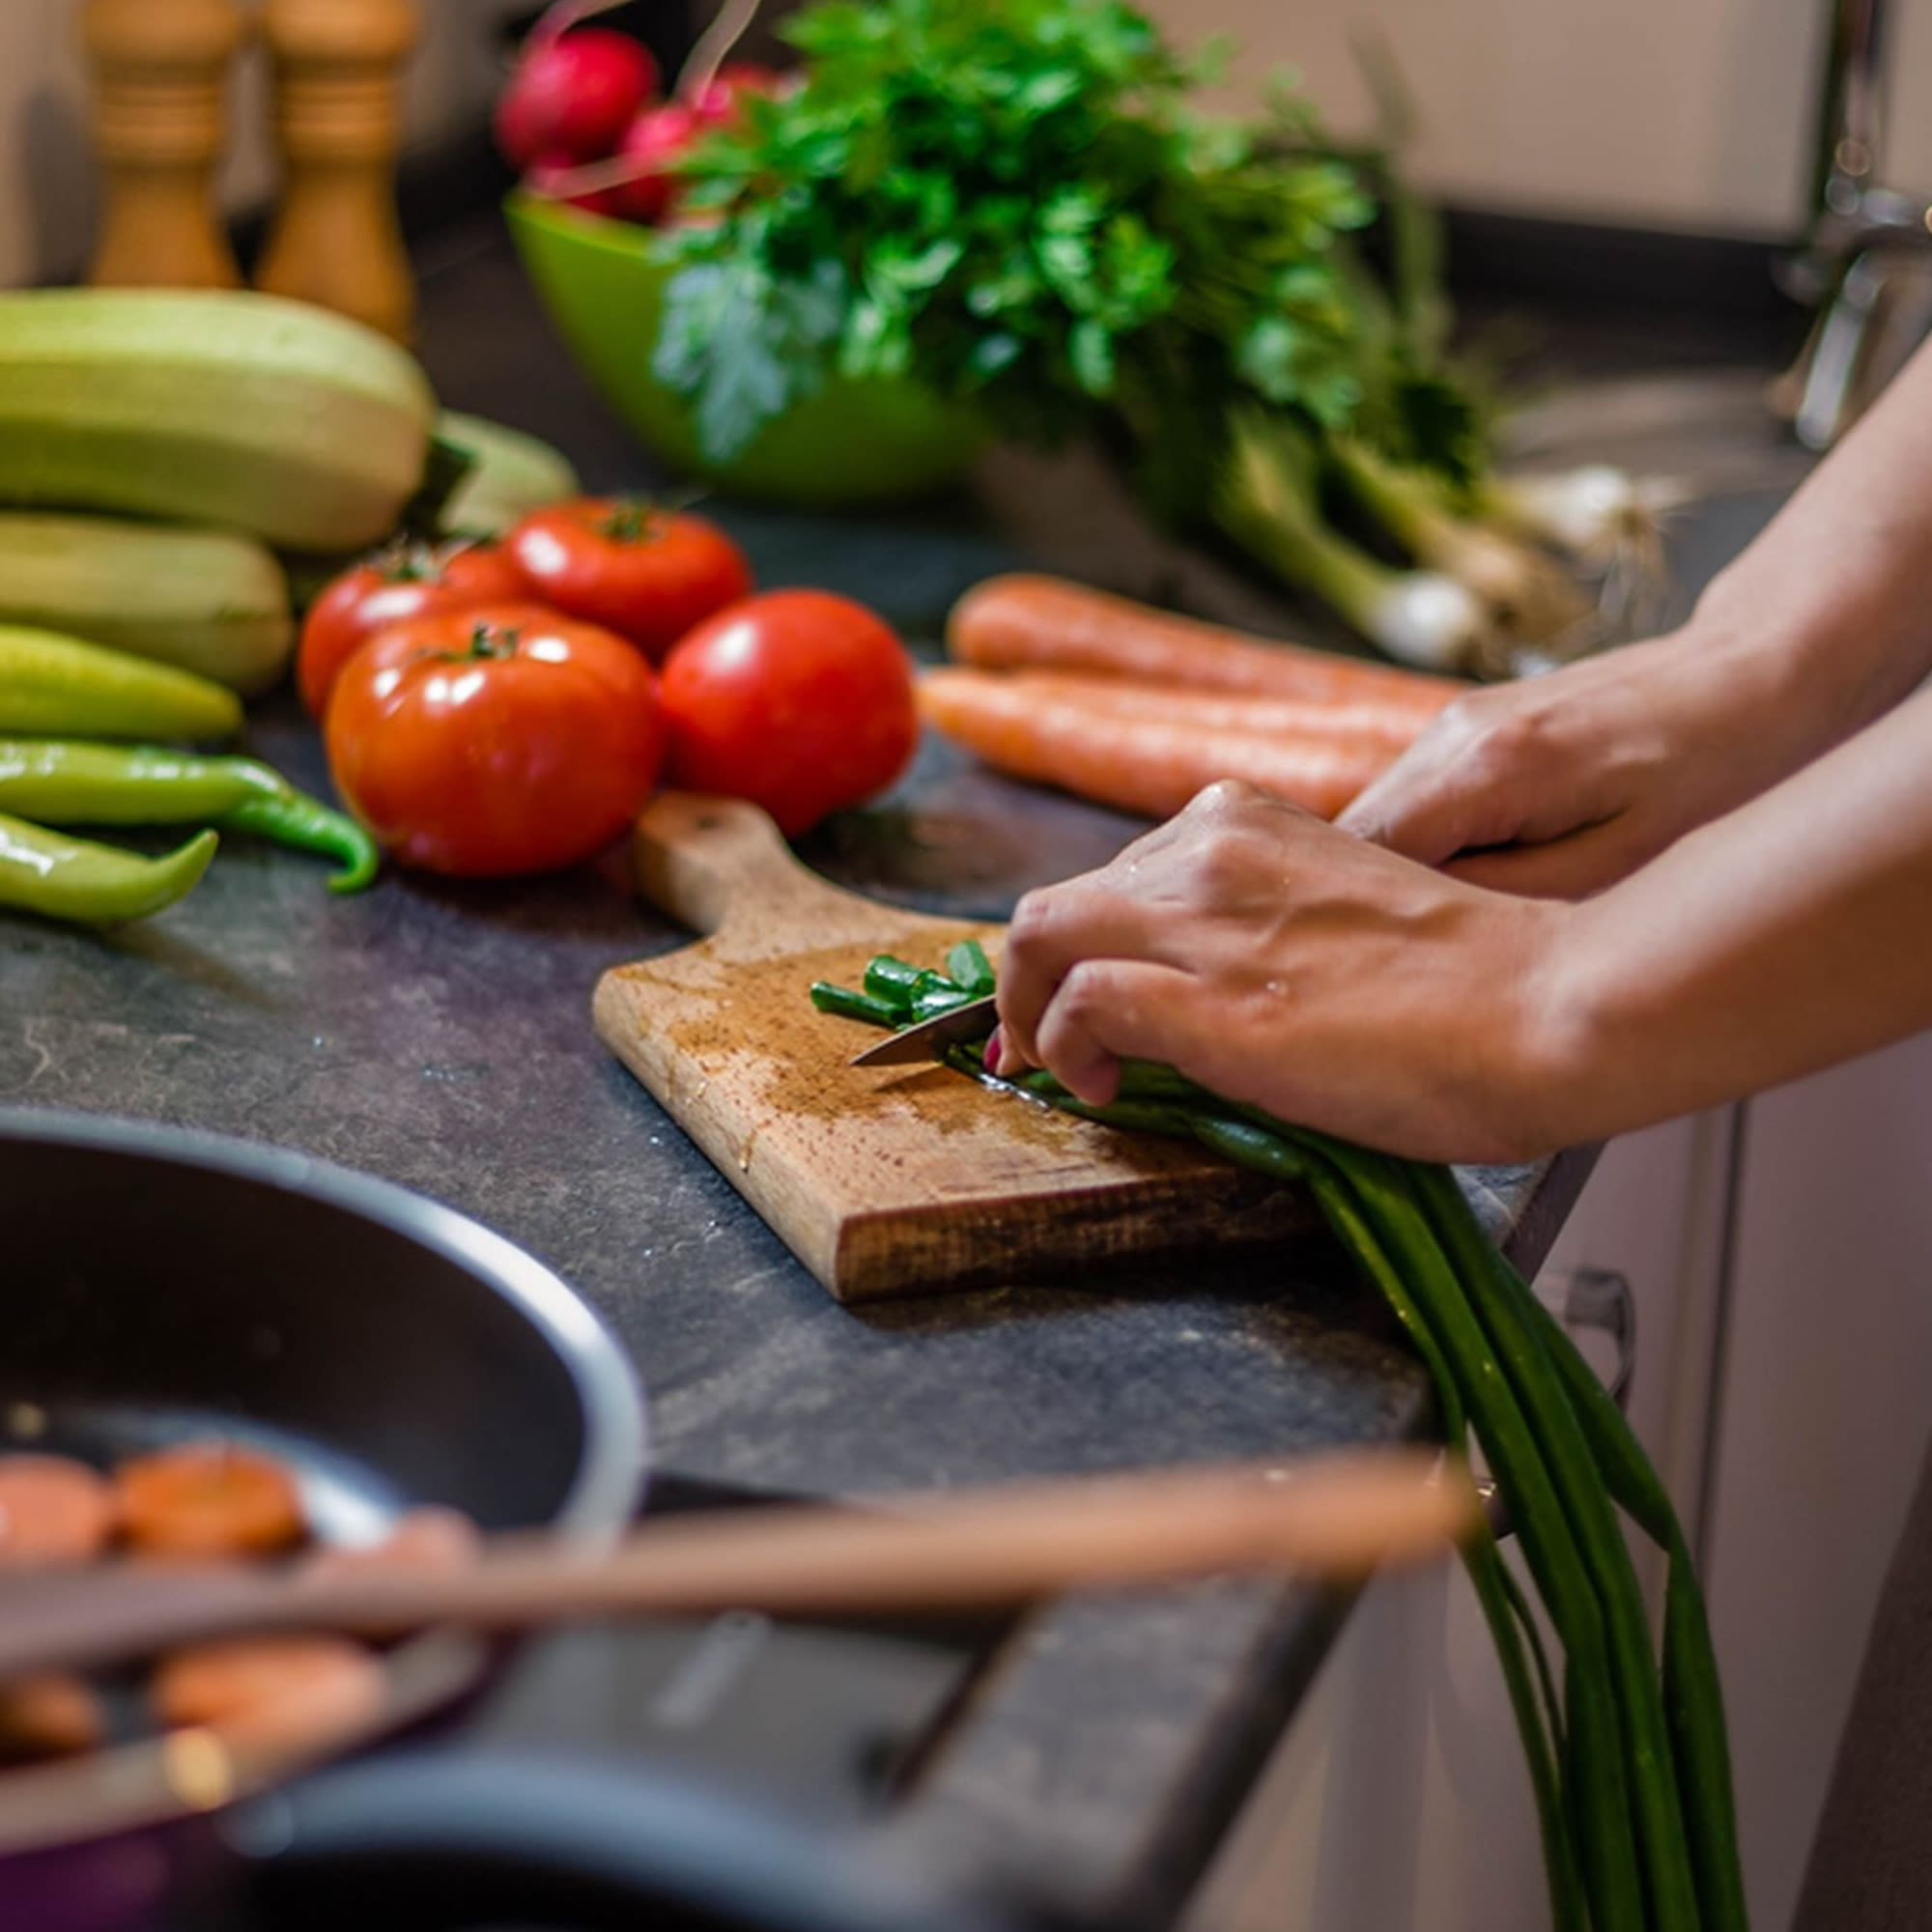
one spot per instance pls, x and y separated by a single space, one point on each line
1533 598
1266 502
1589 512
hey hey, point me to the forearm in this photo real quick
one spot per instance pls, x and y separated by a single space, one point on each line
1792 934
1835 599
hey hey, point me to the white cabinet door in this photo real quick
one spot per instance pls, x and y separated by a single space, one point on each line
1827 1407
1397 1801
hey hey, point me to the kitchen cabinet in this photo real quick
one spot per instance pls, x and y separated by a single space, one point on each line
1827 1407
1398 1798
1781 1259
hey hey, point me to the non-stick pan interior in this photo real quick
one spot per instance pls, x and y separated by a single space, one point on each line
154 1286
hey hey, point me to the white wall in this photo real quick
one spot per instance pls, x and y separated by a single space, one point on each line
47 177
1685 113
1688 113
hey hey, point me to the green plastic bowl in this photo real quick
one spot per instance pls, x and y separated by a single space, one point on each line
854 442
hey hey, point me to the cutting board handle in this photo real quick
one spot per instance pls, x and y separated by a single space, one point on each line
714 863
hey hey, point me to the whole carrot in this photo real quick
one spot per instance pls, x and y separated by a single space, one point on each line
1223 711
1047 623
1150 765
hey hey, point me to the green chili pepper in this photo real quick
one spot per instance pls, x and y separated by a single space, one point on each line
293 818
64 782
60 686
98 885
76 783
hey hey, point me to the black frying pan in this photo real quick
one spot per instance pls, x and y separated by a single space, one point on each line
157 1285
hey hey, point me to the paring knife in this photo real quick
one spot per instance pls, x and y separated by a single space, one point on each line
930 1038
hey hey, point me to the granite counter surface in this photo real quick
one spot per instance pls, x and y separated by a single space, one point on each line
437 1035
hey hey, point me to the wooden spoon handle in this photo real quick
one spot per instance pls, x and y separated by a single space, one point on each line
1333 1517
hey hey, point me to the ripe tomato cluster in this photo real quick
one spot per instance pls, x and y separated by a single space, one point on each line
507 708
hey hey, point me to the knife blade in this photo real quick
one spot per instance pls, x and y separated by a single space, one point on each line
930 1038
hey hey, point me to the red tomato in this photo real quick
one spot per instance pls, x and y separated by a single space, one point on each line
798 701
413 582
647 574
497 740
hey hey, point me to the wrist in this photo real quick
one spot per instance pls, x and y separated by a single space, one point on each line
1821 666
1621 1016
1549 1052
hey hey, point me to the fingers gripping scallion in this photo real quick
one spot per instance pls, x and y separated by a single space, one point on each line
1629 1767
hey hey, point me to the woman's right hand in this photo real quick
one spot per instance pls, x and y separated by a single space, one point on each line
1563 783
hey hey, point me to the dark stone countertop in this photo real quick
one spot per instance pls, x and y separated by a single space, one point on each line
438 1034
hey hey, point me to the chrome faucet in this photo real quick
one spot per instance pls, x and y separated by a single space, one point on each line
1865 264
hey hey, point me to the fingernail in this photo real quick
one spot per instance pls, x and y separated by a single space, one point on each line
993 1051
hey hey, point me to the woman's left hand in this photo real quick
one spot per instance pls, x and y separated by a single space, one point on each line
1288 965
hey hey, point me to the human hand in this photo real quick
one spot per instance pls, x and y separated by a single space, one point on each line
1561 785
1285 964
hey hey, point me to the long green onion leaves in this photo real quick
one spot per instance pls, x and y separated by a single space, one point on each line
1627 1757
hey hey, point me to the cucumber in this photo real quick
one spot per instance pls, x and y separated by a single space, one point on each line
515 472
227 408
210 600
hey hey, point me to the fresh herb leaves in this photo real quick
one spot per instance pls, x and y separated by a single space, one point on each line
1014 202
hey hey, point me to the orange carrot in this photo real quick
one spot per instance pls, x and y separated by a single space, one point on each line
208 1499
51 1714
1047 623
52 1510
269 1689
426 1537
1152 765
1218 711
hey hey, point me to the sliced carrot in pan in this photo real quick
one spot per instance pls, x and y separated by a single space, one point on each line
207 1500
52 1510
281 1689
49 1715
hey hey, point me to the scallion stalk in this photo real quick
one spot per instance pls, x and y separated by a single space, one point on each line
1267 502
1533 598
1628 1766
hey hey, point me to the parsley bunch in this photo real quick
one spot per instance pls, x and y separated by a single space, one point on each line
1016 204
1013 201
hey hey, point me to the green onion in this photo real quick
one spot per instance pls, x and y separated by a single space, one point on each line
852 1005
1267 502
1629 1765
969 967
1531 598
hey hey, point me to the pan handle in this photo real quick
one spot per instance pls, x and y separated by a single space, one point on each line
444 1839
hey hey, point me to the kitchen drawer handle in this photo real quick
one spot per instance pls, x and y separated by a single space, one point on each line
1585 1300
1594 1300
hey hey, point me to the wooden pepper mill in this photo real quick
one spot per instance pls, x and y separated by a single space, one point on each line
336 239
160 70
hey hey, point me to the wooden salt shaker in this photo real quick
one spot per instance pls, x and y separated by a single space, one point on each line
161 71
336 239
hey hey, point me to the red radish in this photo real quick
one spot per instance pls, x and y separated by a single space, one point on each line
656 139
560 180
718 99
573 94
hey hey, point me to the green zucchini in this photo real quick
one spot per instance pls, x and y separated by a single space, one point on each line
210 600
230 409
514 473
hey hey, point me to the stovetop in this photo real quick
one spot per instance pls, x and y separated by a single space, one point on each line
822 1723
830 1719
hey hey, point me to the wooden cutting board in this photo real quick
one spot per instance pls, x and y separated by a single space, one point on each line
882 1181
